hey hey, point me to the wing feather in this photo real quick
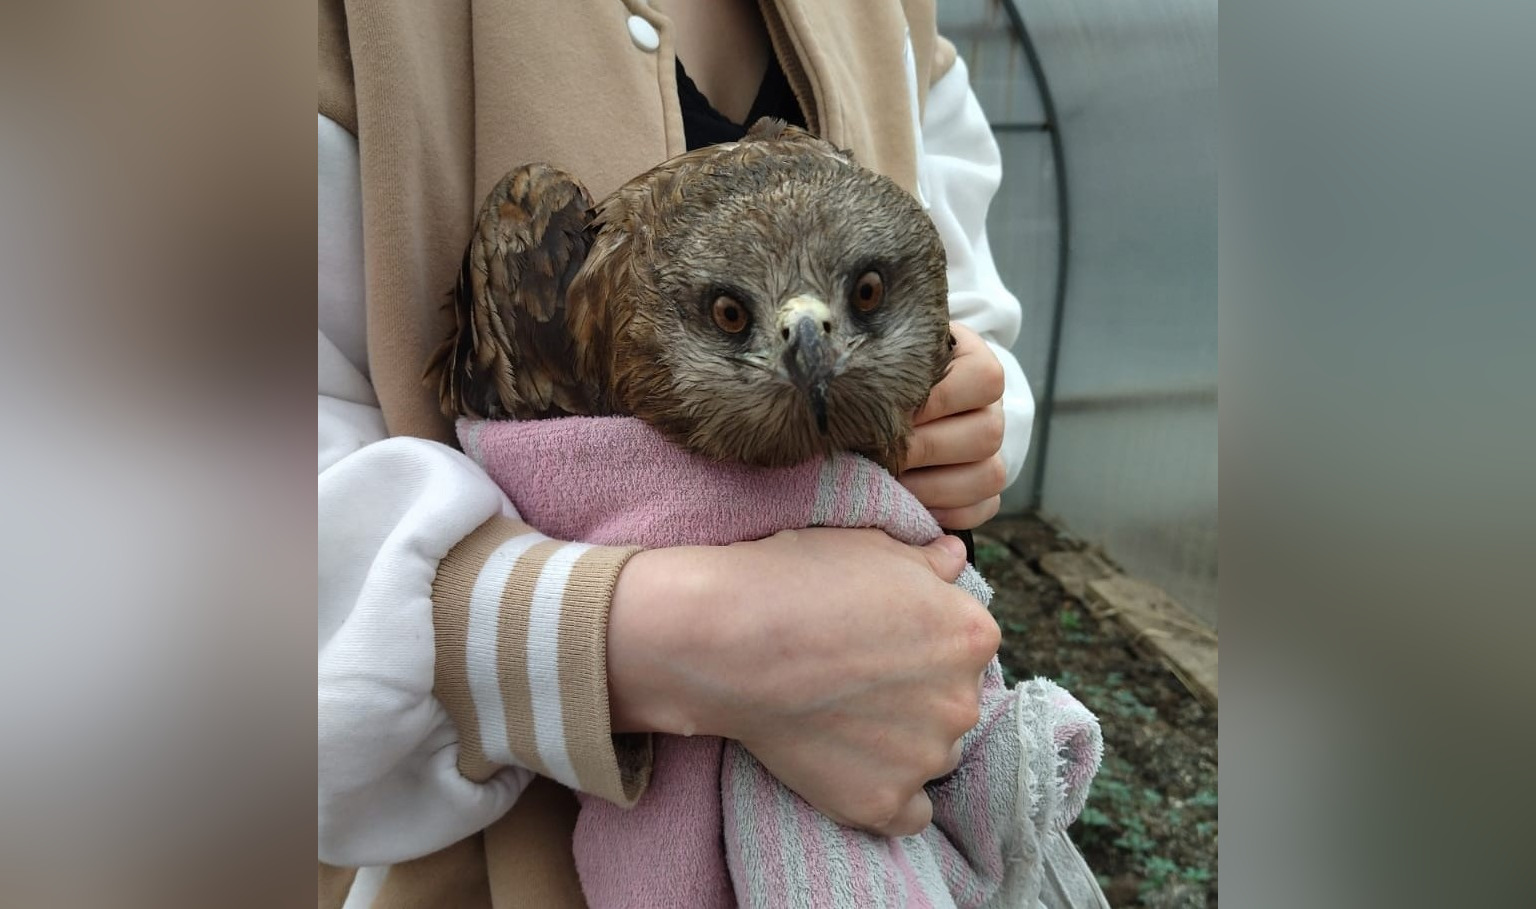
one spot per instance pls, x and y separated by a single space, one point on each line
511 353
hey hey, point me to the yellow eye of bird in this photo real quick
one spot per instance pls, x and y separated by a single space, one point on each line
868 293
730 315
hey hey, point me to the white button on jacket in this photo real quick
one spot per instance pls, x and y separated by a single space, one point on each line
643 34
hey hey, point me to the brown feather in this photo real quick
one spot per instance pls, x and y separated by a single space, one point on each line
511 354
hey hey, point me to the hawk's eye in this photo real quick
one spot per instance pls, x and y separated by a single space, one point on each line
730 315
868 293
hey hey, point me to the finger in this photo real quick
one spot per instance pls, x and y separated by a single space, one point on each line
966 338
957 485
911 819
946 556
969 517
959 439
974 379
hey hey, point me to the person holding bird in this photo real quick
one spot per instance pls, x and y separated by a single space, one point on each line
468 660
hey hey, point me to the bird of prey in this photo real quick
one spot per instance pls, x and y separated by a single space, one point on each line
762 302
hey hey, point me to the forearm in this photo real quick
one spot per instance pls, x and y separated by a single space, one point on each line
655 590
816 649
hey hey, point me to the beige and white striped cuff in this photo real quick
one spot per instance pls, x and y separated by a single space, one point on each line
521 624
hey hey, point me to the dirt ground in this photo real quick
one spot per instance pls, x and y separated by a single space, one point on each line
1149 830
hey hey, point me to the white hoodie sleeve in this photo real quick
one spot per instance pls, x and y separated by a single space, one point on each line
959 170
417 749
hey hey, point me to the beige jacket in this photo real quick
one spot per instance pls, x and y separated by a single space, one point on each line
443 98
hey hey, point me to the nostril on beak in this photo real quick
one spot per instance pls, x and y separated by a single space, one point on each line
801 316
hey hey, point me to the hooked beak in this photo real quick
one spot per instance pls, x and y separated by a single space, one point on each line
805 325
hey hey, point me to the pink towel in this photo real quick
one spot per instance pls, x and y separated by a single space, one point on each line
714 828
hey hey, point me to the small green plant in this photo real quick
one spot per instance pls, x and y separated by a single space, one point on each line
989 555
1159 870
1093 817
1136 842
1130 707
1121 807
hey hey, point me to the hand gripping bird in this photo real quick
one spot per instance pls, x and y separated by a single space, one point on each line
764 302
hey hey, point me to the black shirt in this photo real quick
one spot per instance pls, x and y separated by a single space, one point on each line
703 125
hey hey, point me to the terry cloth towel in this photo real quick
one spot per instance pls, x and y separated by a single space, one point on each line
714 828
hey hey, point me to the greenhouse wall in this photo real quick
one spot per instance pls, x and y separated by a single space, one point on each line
1127 429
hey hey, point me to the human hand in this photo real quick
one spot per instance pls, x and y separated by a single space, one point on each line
847 662
954 465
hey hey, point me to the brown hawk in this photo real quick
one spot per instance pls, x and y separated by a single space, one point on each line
762 301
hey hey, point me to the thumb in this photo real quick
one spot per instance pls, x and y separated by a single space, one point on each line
917 814
946 556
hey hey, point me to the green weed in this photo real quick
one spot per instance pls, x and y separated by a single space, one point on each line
1120 809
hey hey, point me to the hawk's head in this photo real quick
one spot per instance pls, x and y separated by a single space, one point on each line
763 302
786 302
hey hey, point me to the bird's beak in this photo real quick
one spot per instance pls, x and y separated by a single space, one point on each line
805 325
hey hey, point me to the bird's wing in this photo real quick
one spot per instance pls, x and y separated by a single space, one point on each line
511 353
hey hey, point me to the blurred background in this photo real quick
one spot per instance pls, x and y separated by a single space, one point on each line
1105 229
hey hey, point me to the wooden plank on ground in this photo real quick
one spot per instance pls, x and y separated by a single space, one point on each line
1184 643
1074 569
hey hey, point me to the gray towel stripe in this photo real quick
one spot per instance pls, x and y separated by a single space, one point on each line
874 872
858 487
797 877
897 880
839 866
826 494
880 869
929 877
741 793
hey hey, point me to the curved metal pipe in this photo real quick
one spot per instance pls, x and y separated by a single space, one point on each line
1052 127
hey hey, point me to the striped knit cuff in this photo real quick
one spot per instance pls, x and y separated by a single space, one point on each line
521 625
